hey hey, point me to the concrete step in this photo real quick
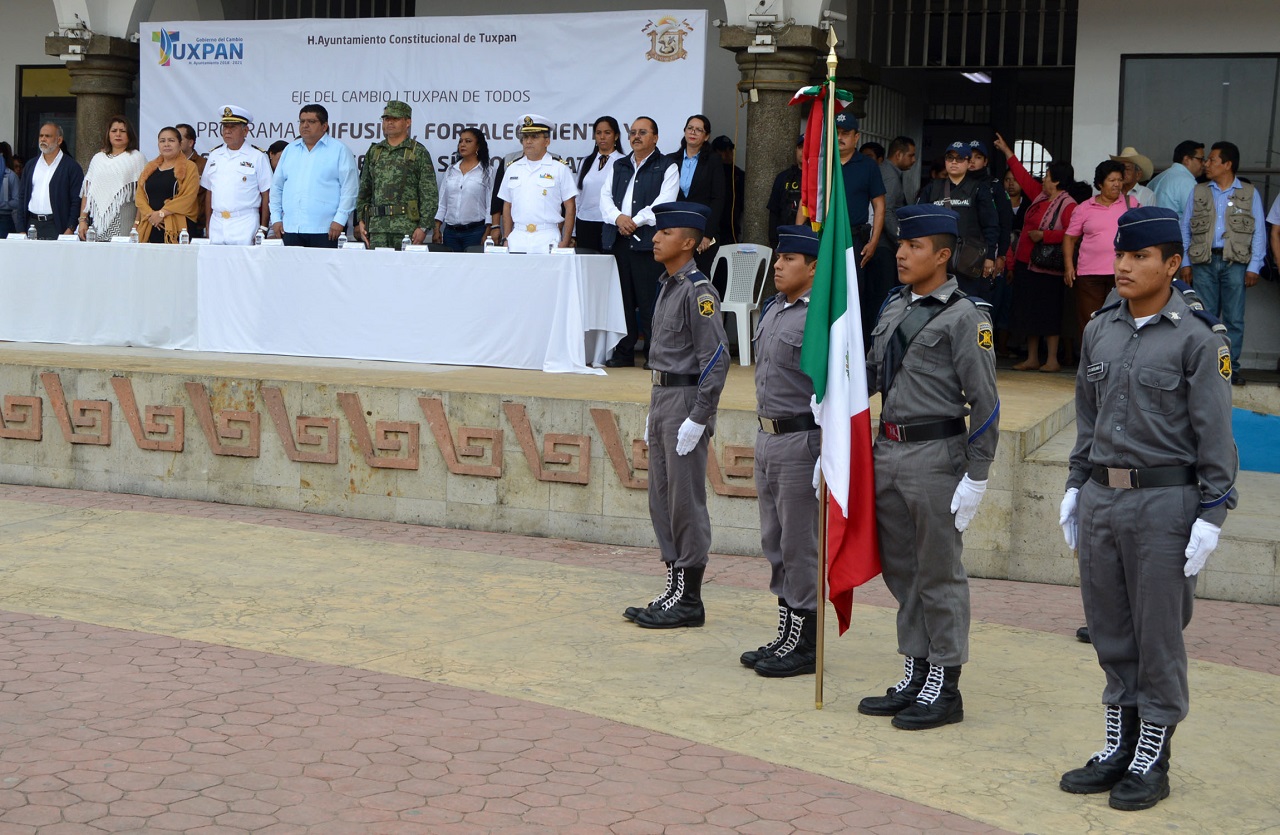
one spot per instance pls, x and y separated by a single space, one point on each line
1244 567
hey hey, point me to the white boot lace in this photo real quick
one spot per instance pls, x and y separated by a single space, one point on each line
677 591
1150 744
932 685
793 635
671 576
1113 734
909 672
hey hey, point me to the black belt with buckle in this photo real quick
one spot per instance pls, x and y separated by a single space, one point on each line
1150 477
785 426
463 227
934 430
43 218
662 378
388 211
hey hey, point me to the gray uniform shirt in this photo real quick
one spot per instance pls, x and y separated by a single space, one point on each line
895 197
948 371
1134 403
688 336
782 389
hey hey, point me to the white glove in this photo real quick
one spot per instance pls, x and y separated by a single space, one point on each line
964 503
687 436
815 408
817 478
646 429
1067 517
1204 538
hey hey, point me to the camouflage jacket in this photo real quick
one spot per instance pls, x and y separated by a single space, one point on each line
399 179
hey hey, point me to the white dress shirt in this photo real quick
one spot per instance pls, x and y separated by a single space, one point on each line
645 216
40 204
463 197
592 183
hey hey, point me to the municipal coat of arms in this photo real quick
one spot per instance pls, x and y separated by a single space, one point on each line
666 39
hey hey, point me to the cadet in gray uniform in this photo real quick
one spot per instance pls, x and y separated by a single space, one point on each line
931 358
787 448
689 361
1151 480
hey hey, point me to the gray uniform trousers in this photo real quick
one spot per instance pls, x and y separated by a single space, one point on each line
920 546
789 514
677 483
1136 599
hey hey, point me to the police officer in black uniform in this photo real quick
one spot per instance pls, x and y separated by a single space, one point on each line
1152 478
787 449
932 360
690 360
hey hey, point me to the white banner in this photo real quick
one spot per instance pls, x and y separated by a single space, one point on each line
454 72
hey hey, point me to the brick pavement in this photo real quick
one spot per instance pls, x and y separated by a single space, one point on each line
106 729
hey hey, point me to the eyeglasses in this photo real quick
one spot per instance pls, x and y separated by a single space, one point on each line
641 132
308 121
694 129
953 158
1198 159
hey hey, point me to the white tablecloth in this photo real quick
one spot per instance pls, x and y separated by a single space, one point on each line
555 313
98 294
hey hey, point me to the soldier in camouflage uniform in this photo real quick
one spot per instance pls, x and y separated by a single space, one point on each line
397 195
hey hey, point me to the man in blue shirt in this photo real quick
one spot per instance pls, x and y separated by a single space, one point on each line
1224 243
314 188
1172 187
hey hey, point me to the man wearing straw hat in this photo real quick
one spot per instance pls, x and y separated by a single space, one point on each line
1136 168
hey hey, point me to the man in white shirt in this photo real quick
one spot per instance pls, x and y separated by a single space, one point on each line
50 189
538 192
643 179
238 179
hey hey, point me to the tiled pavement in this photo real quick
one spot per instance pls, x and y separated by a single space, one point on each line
104 729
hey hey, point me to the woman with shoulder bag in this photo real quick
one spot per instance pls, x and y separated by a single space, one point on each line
1037 279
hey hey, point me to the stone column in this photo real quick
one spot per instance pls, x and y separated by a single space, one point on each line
772 124
102 80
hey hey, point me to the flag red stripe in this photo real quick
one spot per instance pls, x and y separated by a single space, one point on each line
853 544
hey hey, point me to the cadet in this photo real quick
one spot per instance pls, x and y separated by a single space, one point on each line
397 184
931 356
1151 480
787 448
539 193
690 361
237 178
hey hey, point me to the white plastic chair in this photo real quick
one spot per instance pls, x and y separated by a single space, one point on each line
747 265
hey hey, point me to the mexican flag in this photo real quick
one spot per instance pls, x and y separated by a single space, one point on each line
812 197
834 358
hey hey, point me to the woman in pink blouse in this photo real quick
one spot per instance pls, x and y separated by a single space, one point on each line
1092 233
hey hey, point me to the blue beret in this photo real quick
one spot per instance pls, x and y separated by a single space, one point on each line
682 215
961 148
926 219
1147 226
977 146
846 121
801 239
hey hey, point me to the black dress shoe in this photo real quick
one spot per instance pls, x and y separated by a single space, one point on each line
1082 635
620 362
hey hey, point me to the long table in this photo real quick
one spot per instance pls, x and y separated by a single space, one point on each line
557 313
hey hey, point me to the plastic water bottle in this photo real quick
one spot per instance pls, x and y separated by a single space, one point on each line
342 240
488 244
31 232
259 238
133 235
405 243
90 235
184 237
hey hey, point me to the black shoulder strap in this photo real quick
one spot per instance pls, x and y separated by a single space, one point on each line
907 331
1095 314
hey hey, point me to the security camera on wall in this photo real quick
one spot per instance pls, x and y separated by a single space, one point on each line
753 13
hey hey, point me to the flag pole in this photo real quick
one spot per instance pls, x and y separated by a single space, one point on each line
828 129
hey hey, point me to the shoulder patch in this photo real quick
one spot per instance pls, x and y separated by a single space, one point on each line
985 339
1224 362
706 305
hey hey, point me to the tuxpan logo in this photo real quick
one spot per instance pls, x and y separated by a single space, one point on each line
666 39
219 50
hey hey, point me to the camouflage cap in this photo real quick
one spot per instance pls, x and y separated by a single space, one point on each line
397 110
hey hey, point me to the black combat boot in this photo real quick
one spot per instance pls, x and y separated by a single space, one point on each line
900 696
1146 782
1105 768
752 656
682 608
938 704
798 654
631 611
